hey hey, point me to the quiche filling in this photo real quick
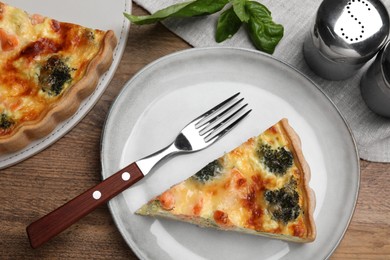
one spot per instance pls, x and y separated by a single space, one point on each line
257 188
40 58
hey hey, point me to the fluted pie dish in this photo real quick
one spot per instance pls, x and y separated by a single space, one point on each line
47 69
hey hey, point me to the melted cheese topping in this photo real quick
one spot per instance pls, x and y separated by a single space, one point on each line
234 199
26 44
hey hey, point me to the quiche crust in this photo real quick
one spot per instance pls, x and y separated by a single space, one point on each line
66 105
309 194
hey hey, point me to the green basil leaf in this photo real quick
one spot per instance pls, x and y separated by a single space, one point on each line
181 10
228 24
239 9
157 16
264 33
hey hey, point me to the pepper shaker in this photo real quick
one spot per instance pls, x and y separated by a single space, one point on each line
345 35
375 83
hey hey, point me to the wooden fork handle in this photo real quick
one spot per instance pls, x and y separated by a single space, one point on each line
60 219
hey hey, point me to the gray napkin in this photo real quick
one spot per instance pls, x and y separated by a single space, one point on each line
372 132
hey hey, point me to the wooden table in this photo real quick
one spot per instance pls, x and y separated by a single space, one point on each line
45 181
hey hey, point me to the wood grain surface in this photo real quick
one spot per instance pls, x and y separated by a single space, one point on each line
40 184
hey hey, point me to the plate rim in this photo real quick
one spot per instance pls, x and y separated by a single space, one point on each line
111 203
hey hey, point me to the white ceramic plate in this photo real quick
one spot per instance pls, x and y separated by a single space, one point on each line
101 14
157 102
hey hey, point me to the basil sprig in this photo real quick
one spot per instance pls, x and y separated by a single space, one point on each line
264 33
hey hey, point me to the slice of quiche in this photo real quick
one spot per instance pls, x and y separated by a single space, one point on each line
260 187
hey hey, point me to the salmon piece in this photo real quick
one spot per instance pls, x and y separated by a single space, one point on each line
8 41
37 19
167 200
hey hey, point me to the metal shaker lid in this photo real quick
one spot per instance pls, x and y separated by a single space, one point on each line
351 31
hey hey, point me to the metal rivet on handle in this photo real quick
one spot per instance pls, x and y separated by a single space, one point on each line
96 194
126 176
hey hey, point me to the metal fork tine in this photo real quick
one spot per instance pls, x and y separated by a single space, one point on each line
212 110
227 128
219 115
222 123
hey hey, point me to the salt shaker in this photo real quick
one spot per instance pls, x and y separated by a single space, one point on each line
345 35
375 83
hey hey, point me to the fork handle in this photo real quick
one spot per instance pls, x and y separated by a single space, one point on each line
63 217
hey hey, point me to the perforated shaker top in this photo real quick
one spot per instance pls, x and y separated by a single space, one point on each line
358 28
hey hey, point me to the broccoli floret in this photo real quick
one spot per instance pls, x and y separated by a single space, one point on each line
283 203
276 160
53 76
6 121
208 172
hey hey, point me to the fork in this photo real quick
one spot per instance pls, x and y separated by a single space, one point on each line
195 136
